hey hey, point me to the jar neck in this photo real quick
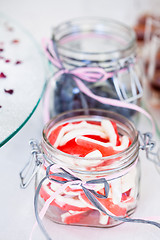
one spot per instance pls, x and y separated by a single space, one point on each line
122 165
94 42
114 163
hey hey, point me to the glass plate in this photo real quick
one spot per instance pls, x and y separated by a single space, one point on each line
22 77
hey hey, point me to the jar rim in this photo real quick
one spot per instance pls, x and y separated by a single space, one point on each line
129 46
127 151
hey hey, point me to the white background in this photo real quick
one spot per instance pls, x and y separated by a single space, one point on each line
16 205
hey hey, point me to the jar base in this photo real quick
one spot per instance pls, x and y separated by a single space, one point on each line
81 219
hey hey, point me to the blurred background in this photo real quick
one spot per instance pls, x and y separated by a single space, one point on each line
16 205
39 17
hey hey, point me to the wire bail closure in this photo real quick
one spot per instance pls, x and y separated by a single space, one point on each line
147 144
136 90
32 166
36 159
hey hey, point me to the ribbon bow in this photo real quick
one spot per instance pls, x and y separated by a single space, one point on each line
89 74
88 188
80 74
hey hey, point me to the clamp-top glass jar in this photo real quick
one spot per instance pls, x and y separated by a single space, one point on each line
121 171
89 43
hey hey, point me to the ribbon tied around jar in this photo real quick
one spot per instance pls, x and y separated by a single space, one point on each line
67 178
93 74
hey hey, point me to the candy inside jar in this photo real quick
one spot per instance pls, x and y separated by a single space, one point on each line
92 145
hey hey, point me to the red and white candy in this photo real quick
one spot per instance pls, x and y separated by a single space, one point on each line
93 141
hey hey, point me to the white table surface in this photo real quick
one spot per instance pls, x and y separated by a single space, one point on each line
16 205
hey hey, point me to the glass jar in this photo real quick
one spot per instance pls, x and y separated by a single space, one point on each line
100 43
121 171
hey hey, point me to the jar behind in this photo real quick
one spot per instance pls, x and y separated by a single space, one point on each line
96 42
122 172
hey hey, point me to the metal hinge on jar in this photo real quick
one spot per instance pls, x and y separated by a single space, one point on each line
147 144
32 166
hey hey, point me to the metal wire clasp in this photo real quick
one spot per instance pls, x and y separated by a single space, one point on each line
120 84
147 144
32 166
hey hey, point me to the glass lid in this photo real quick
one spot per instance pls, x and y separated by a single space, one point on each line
22 77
